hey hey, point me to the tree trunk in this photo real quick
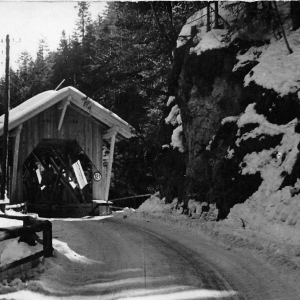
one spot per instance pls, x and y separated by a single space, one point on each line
295 13
208 17
251 11
216 15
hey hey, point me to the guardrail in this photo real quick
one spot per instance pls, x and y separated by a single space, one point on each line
134 201
9 206
30 227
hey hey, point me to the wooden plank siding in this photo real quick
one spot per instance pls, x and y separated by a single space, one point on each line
76 126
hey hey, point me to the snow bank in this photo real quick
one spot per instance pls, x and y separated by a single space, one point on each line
268 162
270 209
14 250
194 210
6 223
277 69
11 250
155 204
63 249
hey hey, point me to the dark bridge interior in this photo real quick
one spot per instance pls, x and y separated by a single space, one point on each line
57 172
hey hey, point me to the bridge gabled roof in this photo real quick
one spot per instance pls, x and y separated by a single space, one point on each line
43 101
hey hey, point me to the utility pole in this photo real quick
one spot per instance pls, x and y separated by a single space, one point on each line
5 129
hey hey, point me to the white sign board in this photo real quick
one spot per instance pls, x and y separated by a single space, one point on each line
39 176
79 174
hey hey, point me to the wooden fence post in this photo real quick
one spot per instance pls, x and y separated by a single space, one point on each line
26 221
216 15
208 17
47 240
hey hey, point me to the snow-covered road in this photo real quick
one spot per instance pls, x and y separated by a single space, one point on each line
135 258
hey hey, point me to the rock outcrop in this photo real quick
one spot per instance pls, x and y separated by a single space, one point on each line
240 128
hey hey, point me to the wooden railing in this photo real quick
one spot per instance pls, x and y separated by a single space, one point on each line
133 200
29 228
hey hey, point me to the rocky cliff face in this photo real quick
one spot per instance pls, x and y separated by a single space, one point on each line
240 130
207 92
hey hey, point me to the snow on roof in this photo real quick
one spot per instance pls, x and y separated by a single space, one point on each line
42 101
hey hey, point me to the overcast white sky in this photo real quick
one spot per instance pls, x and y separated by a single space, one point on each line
31 21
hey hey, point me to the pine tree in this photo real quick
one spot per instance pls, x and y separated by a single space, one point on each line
42 68
295 14
128 73
22 80
84 18
62 62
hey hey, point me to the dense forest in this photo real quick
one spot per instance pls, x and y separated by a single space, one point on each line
127 60
121 60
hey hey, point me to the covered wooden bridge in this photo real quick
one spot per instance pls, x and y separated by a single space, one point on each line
56 163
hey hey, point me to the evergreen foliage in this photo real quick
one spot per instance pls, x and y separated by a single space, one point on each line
124 61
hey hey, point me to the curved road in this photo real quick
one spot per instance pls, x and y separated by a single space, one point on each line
142 259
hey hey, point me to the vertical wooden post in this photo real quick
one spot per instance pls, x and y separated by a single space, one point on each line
216 14
26 221
5 129
65 105
15 164
98 185
208 17
47 240
111 155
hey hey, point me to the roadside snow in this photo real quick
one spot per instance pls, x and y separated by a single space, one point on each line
83 219
169 293
48 281
6 223
271 240
155 204
270 210
63 249
12 250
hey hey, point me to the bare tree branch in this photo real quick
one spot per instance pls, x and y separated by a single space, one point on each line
282 29
162 31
